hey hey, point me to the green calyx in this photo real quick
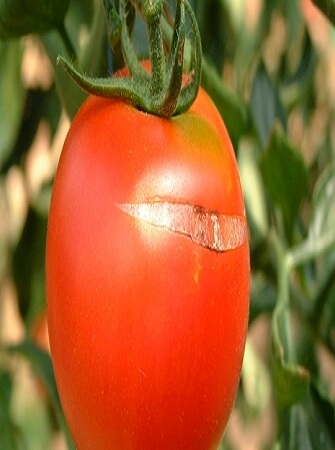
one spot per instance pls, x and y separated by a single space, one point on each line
161 92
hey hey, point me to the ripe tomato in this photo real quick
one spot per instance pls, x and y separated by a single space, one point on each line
147 278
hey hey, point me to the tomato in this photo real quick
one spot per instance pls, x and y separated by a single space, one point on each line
147 277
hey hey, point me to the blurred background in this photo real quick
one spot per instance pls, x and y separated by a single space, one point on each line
270 68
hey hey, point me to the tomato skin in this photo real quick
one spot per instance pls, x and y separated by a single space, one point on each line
147 329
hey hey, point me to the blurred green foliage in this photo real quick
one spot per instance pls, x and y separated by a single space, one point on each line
267 66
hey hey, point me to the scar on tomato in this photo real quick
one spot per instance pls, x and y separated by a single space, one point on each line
207 228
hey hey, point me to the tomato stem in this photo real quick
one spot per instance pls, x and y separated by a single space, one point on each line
152 12
162 92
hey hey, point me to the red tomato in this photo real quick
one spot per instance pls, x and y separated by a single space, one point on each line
147 278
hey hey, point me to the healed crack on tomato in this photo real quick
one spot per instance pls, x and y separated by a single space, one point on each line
206 228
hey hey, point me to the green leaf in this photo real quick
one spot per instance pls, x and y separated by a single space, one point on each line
10 438
297 86
291 381
5 392
217 31
321 234
324 307
71 95
255 381
21 17
325 411
231 108
285 176
294 20
253 191
92 57
42 366
263 296
308 425
321 239
12 96
29 266
265 105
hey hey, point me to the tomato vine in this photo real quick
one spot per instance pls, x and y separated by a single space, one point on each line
162 93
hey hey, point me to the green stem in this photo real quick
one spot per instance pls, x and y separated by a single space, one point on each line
309 249
162 92
175 61
156 57
111 88
152 11
179 31
190 90
282 313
